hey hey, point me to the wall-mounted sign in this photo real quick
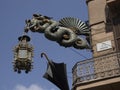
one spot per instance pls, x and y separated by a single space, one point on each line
104 45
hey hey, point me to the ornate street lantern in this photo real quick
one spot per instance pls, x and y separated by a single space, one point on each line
23 53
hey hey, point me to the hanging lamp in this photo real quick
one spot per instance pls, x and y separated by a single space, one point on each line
23 54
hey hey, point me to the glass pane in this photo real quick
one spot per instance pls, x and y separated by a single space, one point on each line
29 55
22 54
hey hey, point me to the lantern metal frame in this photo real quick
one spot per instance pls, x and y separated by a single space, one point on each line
23 54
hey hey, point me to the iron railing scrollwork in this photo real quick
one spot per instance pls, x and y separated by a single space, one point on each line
96 69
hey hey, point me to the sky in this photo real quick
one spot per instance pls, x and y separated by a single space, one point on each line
12 22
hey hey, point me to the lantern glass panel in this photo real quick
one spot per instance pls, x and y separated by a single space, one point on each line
29 55
22 54
15 56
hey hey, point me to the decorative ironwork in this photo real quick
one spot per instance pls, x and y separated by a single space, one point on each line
66 32
96 68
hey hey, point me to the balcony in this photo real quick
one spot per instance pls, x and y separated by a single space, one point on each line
102 72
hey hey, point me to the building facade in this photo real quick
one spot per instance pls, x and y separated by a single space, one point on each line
102 72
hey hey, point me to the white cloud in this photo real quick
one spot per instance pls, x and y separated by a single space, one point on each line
31 87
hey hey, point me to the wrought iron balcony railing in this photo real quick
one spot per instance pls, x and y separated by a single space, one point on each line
94 69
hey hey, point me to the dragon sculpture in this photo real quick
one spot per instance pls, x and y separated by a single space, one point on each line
67 32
